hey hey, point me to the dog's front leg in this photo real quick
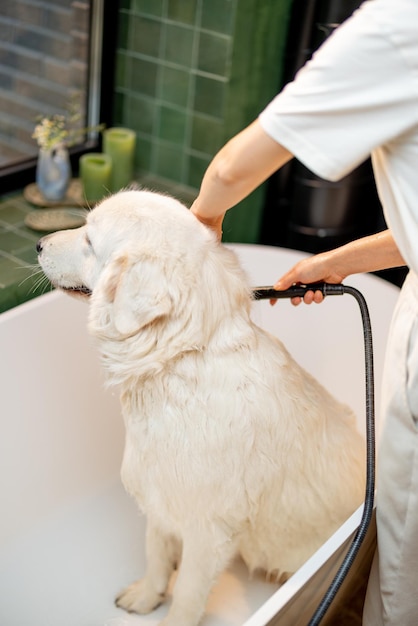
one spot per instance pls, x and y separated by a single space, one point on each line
162 553
206 552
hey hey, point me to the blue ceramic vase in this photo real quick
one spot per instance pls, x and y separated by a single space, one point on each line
53 173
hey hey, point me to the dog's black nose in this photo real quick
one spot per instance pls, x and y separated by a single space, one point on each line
39 246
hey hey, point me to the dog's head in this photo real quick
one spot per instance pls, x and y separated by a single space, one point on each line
144 260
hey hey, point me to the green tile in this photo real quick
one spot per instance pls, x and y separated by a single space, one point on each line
175 86
12 242
139 114
169 161
207 134
143 76
123 30
213 54
29 255
31 236
143 155
118 108
124 4
150 7
8 299
185 194
122 69
179 45
8 271
197 167
218 15
19 283
182 11
18 201
13 296
11 214
172 125
28 280
145 35
209 96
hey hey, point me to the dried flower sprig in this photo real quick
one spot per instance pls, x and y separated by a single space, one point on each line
50 132
53 131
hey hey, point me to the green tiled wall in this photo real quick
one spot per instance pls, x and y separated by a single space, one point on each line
192 73
20 279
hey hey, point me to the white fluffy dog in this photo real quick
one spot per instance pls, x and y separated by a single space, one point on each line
231 447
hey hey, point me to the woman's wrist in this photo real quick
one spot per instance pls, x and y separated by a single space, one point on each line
214 222
369 254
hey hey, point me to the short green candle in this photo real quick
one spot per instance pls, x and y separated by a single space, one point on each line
95 175
119 144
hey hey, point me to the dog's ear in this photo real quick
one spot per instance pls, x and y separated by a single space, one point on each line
139 294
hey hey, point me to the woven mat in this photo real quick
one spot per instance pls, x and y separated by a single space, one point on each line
73 197
55 219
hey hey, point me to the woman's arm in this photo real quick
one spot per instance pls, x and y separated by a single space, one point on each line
369 254
246 161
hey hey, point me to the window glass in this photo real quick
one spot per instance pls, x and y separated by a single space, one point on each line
44 69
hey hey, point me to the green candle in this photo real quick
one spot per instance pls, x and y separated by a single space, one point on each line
119 143
95 174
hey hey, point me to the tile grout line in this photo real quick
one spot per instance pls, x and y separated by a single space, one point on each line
191 95
160 61
159 87
173 22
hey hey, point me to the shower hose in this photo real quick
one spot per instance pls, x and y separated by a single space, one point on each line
327 289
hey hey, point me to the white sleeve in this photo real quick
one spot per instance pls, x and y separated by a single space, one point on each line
357 93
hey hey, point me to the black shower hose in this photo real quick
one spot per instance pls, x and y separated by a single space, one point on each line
327 289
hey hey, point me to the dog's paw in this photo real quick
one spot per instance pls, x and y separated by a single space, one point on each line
140 597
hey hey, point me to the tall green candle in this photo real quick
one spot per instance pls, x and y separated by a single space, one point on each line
95 175
119 144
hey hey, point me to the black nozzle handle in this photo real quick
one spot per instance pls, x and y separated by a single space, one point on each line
269 293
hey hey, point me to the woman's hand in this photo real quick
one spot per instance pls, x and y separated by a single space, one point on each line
315 269
368 254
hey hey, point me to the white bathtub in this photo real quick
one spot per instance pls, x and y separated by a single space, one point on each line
70 538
